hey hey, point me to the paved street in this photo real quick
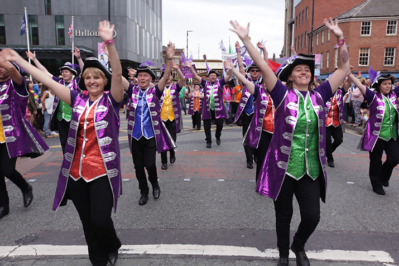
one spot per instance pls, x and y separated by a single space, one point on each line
208 212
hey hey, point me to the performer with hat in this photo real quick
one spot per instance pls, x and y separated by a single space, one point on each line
381 133
213 107
195 107
171 110
91 174
295 162
17 137
146 131
61 117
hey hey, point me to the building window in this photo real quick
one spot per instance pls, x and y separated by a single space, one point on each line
33 30
328 59
47 7
307 13
389 58
303 15
321 61
2 30
296 21
328 35
392 27
317 39
306 38
322 36
299 20
366 28
295 45
364 56
336 59
59 30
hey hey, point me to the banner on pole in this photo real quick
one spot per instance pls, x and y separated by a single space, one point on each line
23 26
187 71
317 65
70 32
102 56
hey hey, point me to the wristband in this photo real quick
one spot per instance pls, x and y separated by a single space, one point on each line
109 42
169 58
78 57
340 43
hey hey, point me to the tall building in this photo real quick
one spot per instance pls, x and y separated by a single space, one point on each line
138 29
288 28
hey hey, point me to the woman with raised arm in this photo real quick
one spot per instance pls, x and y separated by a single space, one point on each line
146 131
381 133
295 162
91 174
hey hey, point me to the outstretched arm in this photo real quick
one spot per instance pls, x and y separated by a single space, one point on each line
268 74
239 59
106 33
228 75
195 75
170 51
76 53
358 84
61 91
182 79
265 53
32 56
343 57
11 70
248 84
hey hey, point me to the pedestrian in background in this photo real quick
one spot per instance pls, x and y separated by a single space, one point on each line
47 102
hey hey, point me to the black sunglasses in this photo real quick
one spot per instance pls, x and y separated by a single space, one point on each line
255 70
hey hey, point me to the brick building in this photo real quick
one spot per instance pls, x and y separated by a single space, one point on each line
371 35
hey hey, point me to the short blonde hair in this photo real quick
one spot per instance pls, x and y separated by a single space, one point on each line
363 80
95 71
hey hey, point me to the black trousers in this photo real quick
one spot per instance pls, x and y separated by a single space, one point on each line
207 127
94 201
63 129
171 127
379 171
246 121
144 155
264 142
337 134
307 193
196 117
7 169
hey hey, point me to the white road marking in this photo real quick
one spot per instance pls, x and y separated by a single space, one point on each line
198 250
350 183
31 180
125 179
220 180
186 179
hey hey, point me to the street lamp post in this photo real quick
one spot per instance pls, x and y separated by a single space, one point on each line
187 40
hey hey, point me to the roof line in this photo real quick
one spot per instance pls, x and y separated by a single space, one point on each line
360 9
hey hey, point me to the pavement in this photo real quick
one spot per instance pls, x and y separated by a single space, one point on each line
208 212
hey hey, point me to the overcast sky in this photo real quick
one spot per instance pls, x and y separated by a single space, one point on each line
209 21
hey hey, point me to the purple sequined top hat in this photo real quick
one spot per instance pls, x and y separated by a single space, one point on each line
71 67
284 71
92 61
146 67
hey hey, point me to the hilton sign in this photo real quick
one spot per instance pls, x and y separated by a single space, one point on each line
88 33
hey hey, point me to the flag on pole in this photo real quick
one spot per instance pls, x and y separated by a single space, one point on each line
359 75
23 26
70 32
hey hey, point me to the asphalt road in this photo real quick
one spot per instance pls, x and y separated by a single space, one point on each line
208 212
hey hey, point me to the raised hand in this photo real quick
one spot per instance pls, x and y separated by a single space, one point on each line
239 30
188 63
30 55
261 46
293 52
76 52
174 66
132 72
238 47
10 55
105 30
228 64
333 26
170 50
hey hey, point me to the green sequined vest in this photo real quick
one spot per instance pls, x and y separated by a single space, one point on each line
389 127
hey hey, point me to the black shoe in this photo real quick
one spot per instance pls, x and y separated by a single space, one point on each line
172 160
379 190
193 127
198 128
256 159
28 196
164 166
218 141
209 145
113 257
143 199
282 262
385 183
331 164
250 165
301 258
156 192
4 210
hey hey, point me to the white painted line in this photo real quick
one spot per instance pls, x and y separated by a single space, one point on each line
186 179
31 180
125 179
220 180
350 183
198 250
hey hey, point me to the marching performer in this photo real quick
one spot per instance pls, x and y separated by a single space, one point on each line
295 161
381 133
195 107
17 137
61 117
147 133
213 107
171 111
91 174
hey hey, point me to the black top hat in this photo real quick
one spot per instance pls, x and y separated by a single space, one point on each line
285 70
212 71
378 80
146 67
92 61
71 67
253 65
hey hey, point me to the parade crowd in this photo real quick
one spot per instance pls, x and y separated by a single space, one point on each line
291 125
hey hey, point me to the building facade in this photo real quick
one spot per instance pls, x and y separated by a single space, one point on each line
138 29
